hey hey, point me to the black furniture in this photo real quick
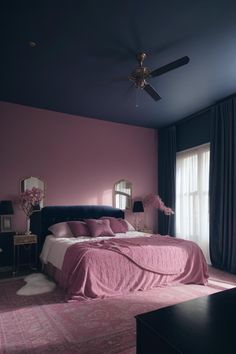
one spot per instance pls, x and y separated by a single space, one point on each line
10 258
6 212
6 244
205 325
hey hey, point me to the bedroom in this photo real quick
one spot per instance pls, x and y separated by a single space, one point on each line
80 158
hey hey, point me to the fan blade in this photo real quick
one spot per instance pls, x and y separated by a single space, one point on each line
150 90
168 67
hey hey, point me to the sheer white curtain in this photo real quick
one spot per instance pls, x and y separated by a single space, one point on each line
192 196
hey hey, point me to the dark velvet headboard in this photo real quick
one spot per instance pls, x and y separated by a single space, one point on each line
40 221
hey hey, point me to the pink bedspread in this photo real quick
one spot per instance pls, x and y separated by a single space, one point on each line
118 266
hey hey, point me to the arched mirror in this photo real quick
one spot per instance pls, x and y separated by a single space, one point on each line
122 195
32 182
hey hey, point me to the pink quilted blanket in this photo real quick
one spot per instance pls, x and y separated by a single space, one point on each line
118 266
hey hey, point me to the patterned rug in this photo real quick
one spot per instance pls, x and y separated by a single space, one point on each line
46 324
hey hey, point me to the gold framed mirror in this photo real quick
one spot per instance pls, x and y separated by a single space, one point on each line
30 182
122 195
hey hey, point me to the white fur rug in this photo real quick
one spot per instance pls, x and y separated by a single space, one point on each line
36 283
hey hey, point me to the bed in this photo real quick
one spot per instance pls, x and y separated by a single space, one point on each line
91 268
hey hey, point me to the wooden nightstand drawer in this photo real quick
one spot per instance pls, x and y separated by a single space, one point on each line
25 239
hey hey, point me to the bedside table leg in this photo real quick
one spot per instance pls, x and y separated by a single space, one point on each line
36 256
14 260
17 258
29 255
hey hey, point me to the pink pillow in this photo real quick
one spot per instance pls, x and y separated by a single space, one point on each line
60 229
98 227
79 228
117 225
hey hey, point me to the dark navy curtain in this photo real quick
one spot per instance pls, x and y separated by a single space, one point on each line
166 177
222 187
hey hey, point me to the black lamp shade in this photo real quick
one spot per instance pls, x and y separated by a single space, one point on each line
6 207
138 207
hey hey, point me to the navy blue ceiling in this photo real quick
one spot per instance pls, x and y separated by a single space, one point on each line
83 53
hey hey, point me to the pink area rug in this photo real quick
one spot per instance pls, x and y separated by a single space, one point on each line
46 324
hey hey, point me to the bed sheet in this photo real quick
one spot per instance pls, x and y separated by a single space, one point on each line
54 248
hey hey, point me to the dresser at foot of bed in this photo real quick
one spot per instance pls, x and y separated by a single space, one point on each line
205 325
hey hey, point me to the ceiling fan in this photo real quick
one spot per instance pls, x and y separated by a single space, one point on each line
140 75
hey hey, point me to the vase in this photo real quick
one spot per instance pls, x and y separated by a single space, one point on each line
28 232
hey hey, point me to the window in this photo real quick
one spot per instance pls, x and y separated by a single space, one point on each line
192 196
122 195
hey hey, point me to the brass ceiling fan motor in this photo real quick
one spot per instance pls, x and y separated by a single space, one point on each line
140 75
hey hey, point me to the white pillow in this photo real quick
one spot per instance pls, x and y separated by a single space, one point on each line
130 227
61 229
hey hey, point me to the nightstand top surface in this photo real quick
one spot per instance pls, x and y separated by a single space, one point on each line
20 235
25 239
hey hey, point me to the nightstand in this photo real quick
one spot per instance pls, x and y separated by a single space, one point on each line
148 231
6 256
23 250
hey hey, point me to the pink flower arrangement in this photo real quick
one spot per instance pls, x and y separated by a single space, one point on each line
30 199
156 202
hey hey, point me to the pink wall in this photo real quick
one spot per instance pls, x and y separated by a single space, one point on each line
79 158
